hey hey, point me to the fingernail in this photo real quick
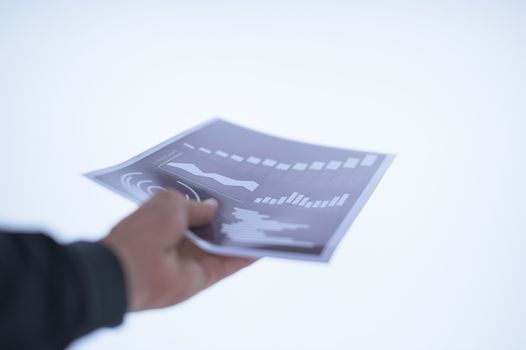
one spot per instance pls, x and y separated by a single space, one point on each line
211 201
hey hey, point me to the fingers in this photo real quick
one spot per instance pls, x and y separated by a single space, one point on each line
201 213
189 212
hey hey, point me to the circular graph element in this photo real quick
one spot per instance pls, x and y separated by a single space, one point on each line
142 188
188 191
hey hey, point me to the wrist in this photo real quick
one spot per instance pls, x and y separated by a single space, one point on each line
134 295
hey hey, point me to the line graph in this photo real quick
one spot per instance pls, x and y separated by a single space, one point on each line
224 180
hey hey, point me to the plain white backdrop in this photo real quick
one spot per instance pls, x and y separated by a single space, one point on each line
436 260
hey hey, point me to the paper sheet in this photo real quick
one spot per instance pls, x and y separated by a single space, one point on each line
278 197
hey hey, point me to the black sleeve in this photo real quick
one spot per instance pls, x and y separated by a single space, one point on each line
51 294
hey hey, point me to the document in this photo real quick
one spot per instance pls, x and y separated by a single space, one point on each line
277 197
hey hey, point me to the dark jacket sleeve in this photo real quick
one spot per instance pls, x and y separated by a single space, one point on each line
51 294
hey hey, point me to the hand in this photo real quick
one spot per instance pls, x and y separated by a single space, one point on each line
162 266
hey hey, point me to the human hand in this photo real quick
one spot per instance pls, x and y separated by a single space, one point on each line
162 266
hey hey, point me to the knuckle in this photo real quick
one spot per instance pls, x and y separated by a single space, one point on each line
160 196
170 197
165 194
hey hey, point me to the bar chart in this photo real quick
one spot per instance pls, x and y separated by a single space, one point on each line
301 200
253 228
367 160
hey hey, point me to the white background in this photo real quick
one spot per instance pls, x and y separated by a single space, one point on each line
436 260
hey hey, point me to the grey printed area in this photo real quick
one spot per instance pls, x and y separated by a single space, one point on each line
277 197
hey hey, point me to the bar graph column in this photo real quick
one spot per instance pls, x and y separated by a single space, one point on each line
301 200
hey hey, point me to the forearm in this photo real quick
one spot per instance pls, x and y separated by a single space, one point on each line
51 294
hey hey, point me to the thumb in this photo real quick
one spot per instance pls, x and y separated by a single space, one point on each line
201 213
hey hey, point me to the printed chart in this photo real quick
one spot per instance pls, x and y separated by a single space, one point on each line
278 197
